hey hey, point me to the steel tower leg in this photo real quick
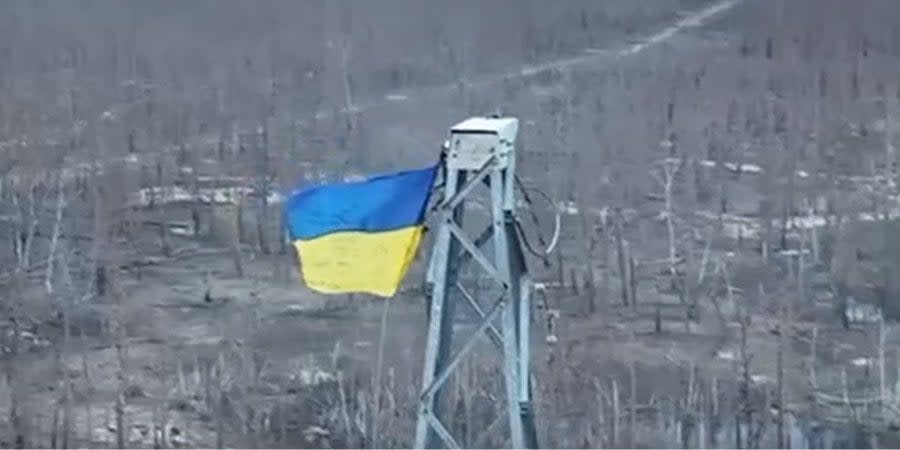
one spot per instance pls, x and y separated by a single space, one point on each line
504 321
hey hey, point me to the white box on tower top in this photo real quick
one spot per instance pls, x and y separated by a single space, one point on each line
475 140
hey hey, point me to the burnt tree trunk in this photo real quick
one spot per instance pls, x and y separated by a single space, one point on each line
622 260
262 222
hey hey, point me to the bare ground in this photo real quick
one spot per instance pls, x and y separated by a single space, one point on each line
266 362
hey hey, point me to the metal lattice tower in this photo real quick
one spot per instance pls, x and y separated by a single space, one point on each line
480 151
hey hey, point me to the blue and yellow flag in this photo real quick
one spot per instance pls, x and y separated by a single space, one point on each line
360 236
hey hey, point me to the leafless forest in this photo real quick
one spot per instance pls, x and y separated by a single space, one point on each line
728 195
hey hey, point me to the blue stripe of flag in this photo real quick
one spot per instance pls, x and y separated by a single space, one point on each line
382 203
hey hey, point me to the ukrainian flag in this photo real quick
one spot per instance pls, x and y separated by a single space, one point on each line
360 236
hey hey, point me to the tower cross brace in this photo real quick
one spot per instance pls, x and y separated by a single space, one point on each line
480 151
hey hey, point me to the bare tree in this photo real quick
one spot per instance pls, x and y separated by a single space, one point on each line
624 259
666 178
263 187
236 235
